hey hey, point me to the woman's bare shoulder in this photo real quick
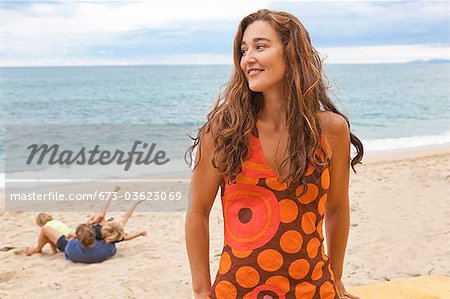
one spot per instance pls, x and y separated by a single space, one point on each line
331 121
334 126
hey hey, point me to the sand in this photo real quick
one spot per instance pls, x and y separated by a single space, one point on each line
400 229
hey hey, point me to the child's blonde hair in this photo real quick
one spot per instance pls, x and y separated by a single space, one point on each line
85 235
43 218
112 231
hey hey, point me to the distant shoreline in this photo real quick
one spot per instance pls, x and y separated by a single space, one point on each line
432 61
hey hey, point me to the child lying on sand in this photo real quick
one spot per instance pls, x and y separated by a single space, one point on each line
83 249
112 231
99 237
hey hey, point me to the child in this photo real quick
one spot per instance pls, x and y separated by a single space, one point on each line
112 231
86 249
58 235
53 232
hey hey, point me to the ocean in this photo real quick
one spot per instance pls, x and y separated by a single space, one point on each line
390 106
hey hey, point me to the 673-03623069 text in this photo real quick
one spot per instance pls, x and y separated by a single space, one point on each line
97 195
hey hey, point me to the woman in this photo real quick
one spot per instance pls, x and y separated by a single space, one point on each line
280 151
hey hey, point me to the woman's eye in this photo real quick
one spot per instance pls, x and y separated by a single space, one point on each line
243 51
260 47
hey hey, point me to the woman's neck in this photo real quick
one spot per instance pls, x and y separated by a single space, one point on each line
274 110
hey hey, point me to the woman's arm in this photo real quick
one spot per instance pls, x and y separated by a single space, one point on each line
337 212
337 215
204 185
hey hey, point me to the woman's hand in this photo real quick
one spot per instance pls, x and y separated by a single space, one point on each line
343 294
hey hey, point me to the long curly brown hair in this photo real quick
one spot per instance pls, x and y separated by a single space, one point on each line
237 108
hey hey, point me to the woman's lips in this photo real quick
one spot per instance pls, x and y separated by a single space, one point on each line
254 72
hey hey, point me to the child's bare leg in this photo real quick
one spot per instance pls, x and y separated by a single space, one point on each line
128 214
47 234
99 217
42 240
53 247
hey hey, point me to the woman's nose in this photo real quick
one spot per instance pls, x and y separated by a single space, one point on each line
249 57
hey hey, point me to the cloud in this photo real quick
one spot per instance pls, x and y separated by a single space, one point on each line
369 23
131 32
73 27
81 17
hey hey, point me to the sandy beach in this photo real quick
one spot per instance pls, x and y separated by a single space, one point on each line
400 228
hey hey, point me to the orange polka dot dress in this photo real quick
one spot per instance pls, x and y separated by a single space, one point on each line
273 240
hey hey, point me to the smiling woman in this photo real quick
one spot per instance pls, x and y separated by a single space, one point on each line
262 57
279 150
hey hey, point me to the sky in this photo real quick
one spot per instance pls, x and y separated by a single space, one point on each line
51 33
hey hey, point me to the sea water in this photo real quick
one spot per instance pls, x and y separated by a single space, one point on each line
390 106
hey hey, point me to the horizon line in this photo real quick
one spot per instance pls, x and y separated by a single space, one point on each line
425 61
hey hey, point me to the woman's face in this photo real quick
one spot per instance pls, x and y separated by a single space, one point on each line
262 57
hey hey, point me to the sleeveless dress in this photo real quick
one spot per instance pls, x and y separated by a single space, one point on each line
274 238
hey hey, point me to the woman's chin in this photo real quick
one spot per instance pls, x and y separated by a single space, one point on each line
256 87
